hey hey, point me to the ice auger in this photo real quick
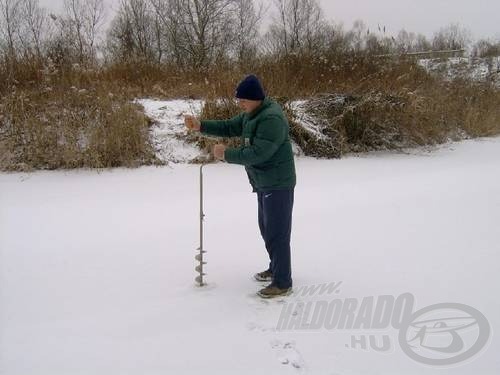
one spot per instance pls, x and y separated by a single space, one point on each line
199 256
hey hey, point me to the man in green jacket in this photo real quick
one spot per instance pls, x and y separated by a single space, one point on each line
266 153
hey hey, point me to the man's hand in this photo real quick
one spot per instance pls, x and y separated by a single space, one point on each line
218 151
192 123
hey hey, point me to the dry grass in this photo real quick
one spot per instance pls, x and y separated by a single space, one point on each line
68 117
399 119
72 128
390 105
218 110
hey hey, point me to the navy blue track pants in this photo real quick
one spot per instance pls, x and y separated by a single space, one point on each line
275 223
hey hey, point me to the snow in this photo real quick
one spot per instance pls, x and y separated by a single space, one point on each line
169 130
477 69
97 268
307 121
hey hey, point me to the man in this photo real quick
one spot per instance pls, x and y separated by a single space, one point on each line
266 153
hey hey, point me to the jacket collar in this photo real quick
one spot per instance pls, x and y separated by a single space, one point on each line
265 103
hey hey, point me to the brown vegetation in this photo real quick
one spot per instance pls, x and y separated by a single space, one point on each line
62 106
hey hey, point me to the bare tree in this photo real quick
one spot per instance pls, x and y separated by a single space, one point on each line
452 37
10 21
167 30
81 24
248 19
298 27
356 37
486 48
140 17
120 44
194 34
422 43
277 35
198 32
206 30
73 25
35 28
93 19
135 32
406 42
337 40
158 31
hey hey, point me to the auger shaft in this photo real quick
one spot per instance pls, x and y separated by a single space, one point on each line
199 256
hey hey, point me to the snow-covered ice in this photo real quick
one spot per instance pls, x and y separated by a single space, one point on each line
97 269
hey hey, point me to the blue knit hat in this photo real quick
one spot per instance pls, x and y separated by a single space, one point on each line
250 88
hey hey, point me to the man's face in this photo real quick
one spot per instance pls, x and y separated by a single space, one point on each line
248 105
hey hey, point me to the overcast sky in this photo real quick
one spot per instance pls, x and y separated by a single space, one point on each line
481 17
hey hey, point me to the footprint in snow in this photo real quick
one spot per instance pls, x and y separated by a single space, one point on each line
287 354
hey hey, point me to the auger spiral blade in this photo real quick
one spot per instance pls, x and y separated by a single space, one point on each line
199 257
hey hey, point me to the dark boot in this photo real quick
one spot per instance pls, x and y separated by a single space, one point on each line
272 291
266 275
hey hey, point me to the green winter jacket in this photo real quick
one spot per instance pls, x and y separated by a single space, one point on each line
265 150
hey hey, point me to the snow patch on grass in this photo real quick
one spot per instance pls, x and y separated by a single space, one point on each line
477 69
307 121
168 132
